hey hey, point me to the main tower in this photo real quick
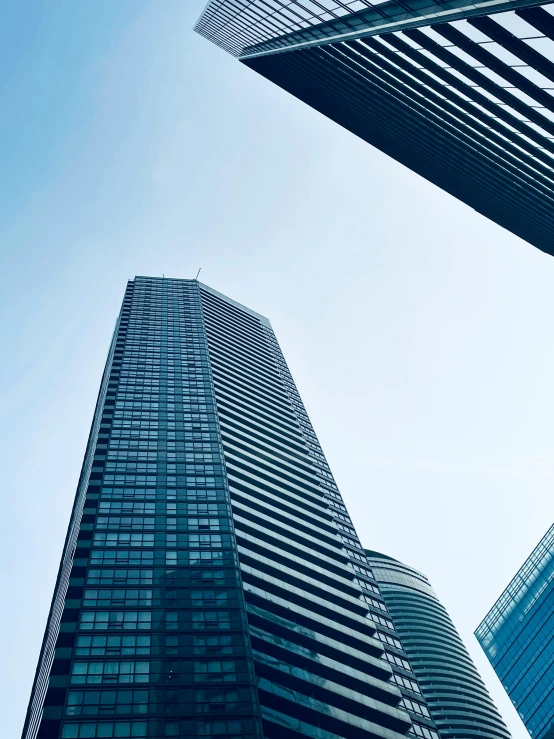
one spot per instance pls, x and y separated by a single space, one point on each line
212 583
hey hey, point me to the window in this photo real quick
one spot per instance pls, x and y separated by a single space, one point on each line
374 602
208 598
394 659
423 731
381 620
220 643
110 672
216 699
126 522
121 557
120 577
388 639
89 730
229 727
99 646
123 540
405 682
415 707
211 620
115 620
362 570
215 670
106 598
97 702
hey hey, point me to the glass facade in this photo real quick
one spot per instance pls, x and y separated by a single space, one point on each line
461 93
212 583
517 636
456 696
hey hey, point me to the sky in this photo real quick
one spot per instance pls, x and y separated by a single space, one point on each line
419 334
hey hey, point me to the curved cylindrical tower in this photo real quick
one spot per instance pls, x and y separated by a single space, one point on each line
457 698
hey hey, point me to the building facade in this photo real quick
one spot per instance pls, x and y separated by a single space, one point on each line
456 696
460 92
517 635
212 583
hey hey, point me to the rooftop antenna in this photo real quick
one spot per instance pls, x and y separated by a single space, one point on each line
198 273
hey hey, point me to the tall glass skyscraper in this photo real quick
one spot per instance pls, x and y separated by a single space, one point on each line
457 698
212 583
461 92
517 636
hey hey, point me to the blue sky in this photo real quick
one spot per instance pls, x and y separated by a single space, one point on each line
419 333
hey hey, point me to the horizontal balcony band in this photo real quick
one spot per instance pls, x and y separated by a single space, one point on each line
275 482
278 725
260 500
232 389
252 547
277 521
292 446
293 440
301 580
306 618
270 455
289 431
241 485
232 425
253 348
277 469
229 367
314 640
297 597
357 707
255 393
272 537
365 682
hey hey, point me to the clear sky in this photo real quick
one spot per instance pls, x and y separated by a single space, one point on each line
419 334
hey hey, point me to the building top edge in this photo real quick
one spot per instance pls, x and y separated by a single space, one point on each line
211 290
235 303
520 583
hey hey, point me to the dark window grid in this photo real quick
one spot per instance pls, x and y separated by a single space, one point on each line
119 577
112 645
256 26
463 124
492 62
469 90
541 217
105 729
106 702
117 598
507 40
115 620
541 162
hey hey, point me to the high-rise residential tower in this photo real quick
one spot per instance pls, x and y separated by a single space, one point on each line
460 92
212 583
456 696
517 636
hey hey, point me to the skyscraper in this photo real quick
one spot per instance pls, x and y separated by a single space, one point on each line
212 583
517 636
460 92
456 696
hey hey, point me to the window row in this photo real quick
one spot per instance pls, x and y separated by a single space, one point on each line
130 597
130 539
142 620
180 558
151 523
171 481
127 671
163 577
191 494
